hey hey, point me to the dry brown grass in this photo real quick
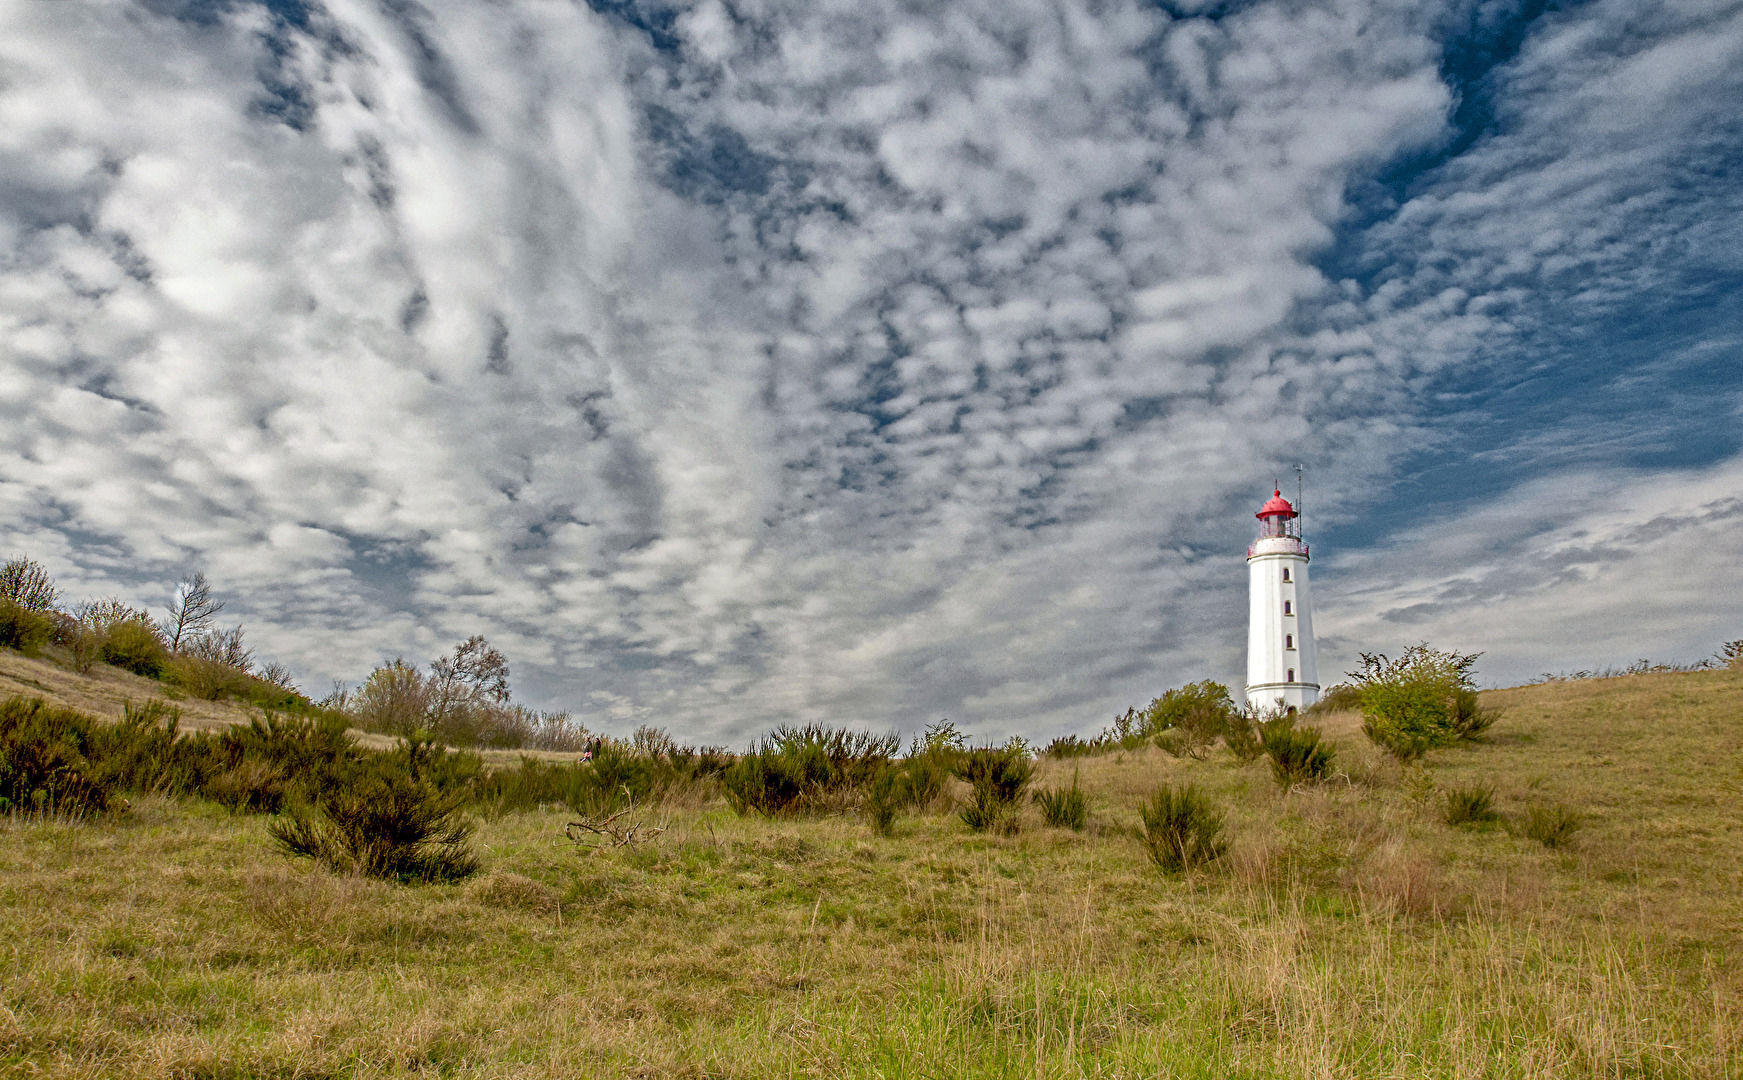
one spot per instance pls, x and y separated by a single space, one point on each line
1350 933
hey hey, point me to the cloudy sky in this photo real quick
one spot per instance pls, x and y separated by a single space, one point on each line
868 361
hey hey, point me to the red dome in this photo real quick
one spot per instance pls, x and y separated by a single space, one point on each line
1277 507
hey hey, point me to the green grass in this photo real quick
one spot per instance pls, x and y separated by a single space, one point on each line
1348 931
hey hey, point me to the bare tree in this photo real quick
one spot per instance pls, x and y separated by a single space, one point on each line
474 671
191 610
278 675
221 647
24 582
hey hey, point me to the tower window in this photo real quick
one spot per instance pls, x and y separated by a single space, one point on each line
1289 641
1291 676
1286 610
1285 573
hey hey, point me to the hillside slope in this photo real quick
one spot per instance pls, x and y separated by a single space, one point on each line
105 690
1349 932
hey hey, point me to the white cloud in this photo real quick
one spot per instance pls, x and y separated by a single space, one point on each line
822 360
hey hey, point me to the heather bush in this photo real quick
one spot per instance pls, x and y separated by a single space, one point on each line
885 798
1182 828
1071 746
207 680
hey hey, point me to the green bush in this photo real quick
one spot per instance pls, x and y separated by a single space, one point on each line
45 762
1182 828
996 777
1242 738
23 629
807 769
1299 755
1422 700
1470 806
1070 746
207 680
383 823
135 645
885 798
1552 826
1064 808
1339 697
1187 720
60 761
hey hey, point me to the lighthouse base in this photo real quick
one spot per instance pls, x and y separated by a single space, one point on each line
1282 697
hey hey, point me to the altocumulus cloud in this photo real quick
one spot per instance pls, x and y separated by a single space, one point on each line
734 363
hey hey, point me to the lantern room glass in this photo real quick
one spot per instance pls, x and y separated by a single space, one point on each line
1278 525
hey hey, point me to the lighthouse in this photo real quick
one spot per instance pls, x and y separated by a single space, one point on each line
1281 674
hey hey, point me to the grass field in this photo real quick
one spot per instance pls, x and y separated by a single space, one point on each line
1349 932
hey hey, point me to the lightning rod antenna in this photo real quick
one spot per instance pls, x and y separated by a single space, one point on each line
1299 469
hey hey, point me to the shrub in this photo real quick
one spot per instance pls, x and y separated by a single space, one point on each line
1064 808
1470 806
24 582
1182 828
1731 652
383 823
1298 754
807 769
1422 700
1339 697
393 700
1242 738
613 779
1187 720
22 628
886 797
279 759
208 680
997 777
1553 826
45 768
144 753
135 645
1070 746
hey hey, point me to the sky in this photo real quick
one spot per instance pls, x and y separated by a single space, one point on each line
869 362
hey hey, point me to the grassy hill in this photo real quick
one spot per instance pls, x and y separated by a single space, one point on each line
1349 931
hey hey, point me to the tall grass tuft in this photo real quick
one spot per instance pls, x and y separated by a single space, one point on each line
1552 826
1182 828
1064 808
1470 806
1299 755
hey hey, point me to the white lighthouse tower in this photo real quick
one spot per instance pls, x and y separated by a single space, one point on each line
1281 673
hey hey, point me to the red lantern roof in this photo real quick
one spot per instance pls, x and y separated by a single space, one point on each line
1277 507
